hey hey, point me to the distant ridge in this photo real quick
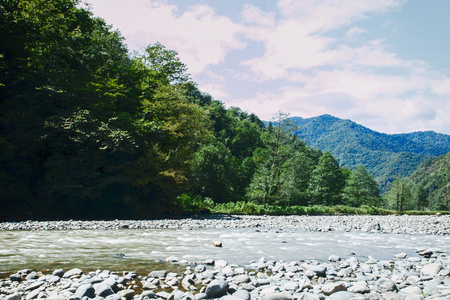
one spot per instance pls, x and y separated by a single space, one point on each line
384 155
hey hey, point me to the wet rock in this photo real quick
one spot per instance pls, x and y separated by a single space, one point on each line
216 288
15 277
158 274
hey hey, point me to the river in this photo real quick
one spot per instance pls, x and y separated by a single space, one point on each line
150 249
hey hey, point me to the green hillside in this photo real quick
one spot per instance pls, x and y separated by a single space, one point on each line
384 155
434 176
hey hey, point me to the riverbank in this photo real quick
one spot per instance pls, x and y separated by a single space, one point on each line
429 225
422 276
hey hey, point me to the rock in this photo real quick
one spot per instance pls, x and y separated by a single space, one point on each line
73 272
220 263
200 268
242 294
277 296
32 276
103 290
392 296
176 295
360 287
400 255
217 244
58 272
291 286
52 279
128 294
334 258
319 270
15 277
242 279
228 271
113 297
33 294
201 296
216 288
411 290
384 285
333 287
308 296
341 295
15 296
85 290
430 270
414 297
34 285
158 274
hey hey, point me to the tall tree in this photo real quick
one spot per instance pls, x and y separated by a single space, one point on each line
273 181
327 181
399 195
361 189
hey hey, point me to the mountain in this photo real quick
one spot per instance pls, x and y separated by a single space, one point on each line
384 155
434 176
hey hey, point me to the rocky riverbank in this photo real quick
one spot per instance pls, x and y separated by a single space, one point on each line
436 225
424 276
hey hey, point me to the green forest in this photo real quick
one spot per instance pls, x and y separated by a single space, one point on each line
89 130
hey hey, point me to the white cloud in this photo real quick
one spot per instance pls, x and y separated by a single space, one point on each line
253 15
201 37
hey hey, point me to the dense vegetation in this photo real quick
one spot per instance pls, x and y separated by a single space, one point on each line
385 155
88 130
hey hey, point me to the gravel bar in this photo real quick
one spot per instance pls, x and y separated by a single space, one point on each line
404 224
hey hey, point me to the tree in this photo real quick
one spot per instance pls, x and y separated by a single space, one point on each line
421 197
327 181
275 176
213 173
399 195
361 189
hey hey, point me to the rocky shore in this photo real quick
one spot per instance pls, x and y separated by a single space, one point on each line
425 276
436 225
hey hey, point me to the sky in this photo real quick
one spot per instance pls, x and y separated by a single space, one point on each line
384 64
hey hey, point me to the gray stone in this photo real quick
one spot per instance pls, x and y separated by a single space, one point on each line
360 287
242 294
319 270
158 274
220 263
15 296
113 297
430 269
384 285
15 277
73 272
32 276
85 290
277 296
216 288
341 295
201 296
52 279
291 286
333 287
34 285
164 295
33 294
127 294
58 272
308 296
334 258
411 290
103 290
392 296
242 279
176 295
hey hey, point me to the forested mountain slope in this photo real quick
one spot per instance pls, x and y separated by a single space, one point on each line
433 176
384 155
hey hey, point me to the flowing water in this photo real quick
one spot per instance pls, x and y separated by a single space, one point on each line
149 249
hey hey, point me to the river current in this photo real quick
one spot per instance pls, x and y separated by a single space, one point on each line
150 249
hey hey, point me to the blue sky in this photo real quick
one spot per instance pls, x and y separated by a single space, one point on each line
384 64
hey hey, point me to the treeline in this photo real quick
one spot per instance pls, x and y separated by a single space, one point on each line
88 130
